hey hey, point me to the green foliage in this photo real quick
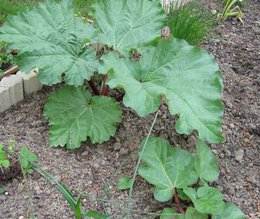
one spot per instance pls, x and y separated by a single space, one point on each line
74 203
127 24
124 40
167 168
173 169
206 163
188 78
192 213
2 190
230 211
232 9
168 213
6 57
26 160
4 162
76 115
124 183
83 6
189 22
96 215
206 199
53 42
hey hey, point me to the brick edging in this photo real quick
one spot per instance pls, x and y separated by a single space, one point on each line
14 87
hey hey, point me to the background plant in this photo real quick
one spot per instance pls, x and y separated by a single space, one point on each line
185 173
189 22
232 9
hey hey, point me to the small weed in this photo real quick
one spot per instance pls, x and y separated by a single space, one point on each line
232 9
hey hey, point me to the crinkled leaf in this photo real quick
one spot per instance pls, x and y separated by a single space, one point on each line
206 163
124 183
206 199
75 115
127 24
167 168
192 213
188 77
169 213
230 211
50 37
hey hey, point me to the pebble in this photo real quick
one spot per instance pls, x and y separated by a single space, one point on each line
213 11
123 151
85 153
239 155
232 125
117 146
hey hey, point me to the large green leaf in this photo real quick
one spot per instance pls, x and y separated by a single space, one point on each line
167 168
192 213
126 24
75 115
50 37
188 77
206 163
206 199
230 211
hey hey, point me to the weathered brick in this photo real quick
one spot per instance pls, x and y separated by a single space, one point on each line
30 81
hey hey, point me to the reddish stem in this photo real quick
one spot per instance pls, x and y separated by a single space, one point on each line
104 89
178 202
93 87
120 98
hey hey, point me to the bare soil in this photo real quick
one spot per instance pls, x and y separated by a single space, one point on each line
94 170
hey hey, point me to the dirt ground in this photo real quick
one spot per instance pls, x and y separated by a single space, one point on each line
94 170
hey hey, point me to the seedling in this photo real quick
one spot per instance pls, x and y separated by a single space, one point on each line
176 172
4 162
232 9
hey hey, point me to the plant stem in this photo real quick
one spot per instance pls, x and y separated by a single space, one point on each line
104 86
178 202
93 87
120 98
136 168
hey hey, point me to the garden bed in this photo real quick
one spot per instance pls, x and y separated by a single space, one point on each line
94 170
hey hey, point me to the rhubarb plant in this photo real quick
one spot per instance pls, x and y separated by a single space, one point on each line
121 49
175 171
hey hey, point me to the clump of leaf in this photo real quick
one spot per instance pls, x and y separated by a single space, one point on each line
189 22
64 49
173 169
26 159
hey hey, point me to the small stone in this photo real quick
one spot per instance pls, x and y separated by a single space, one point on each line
232 125
123 151
213 11
85 153
21 217
117 146
221 155
239 155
